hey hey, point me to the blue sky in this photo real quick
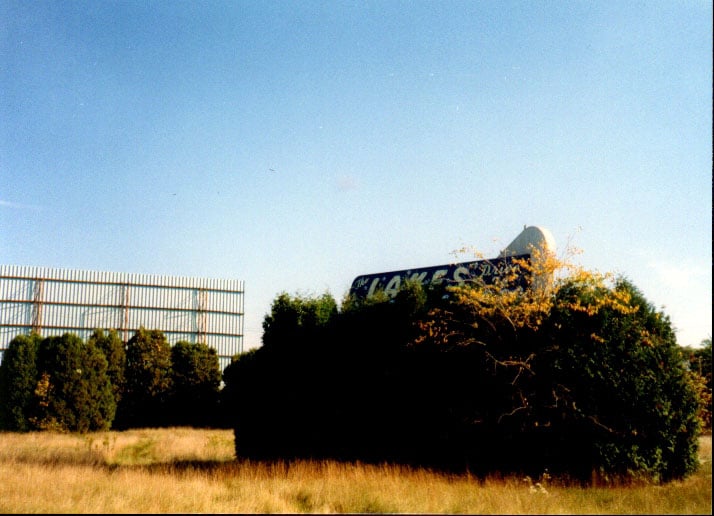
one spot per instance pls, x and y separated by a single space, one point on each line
296 145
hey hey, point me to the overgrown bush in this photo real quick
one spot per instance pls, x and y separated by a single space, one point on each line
147 381
18 379
73 391
618 378
579 375
65 384
699 362
56 383
113 348
195 383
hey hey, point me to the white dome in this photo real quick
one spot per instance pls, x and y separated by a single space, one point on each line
532 237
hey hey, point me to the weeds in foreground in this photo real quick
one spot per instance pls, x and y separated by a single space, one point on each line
194 471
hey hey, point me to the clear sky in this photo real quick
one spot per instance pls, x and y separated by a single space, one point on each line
296 145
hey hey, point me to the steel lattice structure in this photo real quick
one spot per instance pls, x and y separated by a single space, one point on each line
55 301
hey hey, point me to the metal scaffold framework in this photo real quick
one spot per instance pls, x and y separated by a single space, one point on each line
56 301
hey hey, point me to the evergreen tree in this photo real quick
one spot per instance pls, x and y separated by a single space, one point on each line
113 348
18 378
73 391
295 320
148 380
195 380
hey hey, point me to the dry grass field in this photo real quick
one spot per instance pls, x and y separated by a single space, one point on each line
183 470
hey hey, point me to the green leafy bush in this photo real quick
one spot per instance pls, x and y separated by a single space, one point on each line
699 361
18 379
195 382
64 384
73 391
113 348
618 379
580 376
147 381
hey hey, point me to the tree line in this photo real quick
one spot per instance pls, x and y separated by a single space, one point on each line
63 383
581 376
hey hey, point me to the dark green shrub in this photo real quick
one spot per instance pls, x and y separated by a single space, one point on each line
699 361
195 382
623 392
579 378
113 348
18 379
148 381
73 391
297 319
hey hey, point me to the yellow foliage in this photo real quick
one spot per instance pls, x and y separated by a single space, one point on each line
42 390
498 300
522 307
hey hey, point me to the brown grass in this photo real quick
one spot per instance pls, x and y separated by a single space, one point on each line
181 470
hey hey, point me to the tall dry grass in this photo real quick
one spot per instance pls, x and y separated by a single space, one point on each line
182 470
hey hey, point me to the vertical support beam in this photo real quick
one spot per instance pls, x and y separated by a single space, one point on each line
201 302
125 322
37 302
241 321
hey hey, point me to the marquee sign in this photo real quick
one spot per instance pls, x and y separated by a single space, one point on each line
455 274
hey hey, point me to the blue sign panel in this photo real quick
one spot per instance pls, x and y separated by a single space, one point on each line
454 274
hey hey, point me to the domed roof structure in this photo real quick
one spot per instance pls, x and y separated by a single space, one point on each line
532 237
